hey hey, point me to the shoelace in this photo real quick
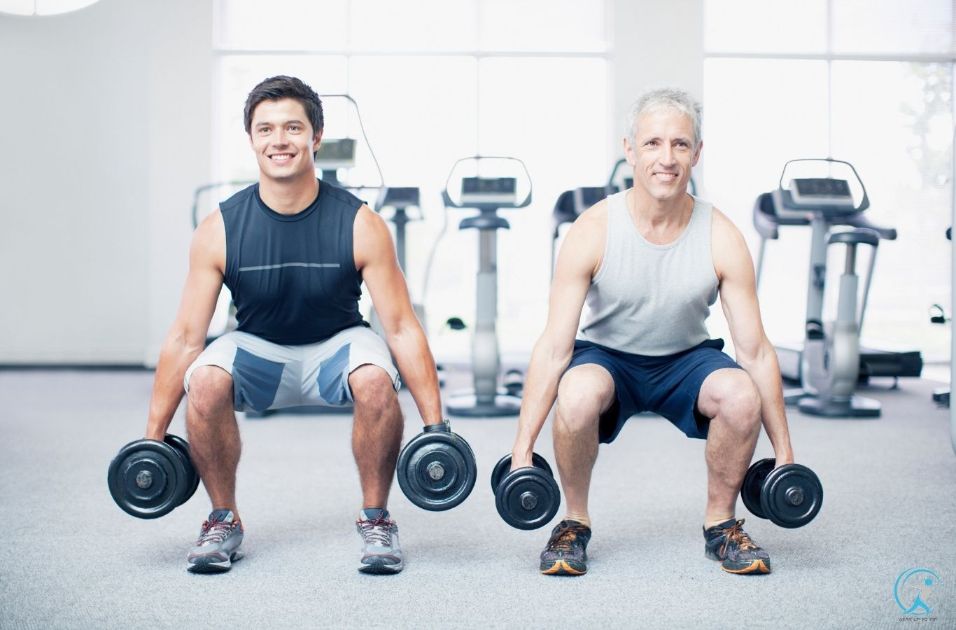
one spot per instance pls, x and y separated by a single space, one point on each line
735 533
563 541
214 532
377 531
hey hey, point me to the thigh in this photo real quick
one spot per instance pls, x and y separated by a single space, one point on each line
587 384
263 373
621 402
327 365
721 385
674 388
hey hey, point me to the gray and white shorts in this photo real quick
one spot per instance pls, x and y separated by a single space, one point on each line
266 375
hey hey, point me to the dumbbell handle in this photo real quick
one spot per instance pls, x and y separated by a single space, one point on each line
443 426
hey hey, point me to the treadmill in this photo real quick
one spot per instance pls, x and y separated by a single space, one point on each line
770 213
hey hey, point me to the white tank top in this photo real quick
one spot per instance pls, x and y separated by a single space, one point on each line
651 299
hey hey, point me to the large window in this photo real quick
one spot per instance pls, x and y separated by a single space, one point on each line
866 82
437 80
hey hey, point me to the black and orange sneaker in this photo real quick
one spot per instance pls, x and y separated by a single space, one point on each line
567 550
730 545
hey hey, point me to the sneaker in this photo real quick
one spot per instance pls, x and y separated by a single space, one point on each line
381 553
566 552
729 544
218 544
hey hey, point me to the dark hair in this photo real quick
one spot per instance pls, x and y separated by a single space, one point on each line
274 88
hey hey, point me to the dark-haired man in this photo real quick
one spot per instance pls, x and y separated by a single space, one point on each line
293 251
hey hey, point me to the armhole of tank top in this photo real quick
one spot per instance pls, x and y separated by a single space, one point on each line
607 246
228 266
351 256
710 245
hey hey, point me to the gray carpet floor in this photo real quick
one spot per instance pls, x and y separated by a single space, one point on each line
71 559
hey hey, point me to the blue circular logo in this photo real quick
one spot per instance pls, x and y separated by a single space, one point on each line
914 591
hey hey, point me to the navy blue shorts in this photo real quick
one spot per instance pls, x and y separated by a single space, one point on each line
667 385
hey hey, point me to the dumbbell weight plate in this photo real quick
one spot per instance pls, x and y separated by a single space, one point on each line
753 484
504 465
147 479
527 498
437 470
792 496
192 477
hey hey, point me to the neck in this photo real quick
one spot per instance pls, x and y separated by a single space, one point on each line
288 197
644 207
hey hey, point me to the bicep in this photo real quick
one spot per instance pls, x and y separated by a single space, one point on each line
377 263
203 281
575 267
738 289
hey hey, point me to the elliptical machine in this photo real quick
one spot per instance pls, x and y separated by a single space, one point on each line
830 360
487 195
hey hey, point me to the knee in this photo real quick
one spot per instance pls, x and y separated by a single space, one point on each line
579 405
372 387
738 404
210 390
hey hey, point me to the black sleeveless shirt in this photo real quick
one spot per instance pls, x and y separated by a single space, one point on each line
293 277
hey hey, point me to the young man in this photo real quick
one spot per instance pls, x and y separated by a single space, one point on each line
649 262
294 252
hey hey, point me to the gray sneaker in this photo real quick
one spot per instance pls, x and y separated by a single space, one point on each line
218 544
381 553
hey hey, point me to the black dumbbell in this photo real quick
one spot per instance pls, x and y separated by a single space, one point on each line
436 469
526 498
149 479
790 496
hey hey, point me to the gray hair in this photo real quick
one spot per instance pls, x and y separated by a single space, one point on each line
665 98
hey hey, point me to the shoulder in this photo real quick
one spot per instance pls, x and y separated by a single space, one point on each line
209 241
724 230
238 199
341 197
729 247
592 222
583 247
371 238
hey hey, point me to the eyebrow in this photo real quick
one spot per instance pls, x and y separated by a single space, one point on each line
266 123
659 139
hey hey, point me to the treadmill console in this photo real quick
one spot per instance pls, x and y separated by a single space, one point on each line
335 153
401 196
818 191
489 190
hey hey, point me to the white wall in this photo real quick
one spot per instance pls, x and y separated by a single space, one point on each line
657 43
105 132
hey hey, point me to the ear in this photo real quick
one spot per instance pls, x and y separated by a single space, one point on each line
629 153
316 141
700 145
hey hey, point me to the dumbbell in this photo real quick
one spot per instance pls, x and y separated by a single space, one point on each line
149 479
526 498
436 469
790 496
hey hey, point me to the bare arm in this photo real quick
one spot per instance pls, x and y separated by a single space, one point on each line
578 261
375 259
755 353
187 337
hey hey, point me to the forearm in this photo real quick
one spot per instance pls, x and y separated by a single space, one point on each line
765 372
174 359
540 391
417 367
